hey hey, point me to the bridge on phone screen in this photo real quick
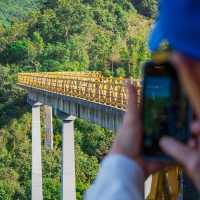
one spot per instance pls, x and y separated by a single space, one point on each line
86 95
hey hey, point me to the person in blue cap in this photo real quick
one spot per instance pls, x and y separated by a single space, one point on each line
123 171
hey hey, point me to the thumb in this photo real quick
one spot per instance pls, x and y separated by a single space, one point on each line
131 118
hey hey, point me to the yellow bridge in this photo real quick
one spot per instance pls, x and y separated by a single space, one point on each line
94 87
91 86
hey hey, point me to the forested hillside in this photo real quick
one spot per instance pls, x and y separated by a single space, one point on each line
62 35
16 9
146 7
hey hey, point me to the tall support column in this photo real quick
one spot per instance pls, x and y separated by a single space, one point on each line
48 124
36 192
68 160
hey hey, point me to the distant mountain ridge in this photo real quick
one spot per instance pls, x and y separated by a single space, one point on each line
19 9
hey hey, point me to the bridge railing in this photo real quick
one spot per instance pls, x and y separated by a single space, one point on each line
90 86
64 75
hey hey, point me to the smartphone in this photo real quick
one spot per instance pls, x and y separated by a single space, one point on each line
165 109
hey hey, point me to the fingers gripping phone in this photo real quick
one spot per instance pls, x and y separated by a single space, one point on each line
165 109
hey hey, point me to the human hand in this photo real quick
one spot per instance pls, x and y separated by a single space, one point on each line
188 155
129 137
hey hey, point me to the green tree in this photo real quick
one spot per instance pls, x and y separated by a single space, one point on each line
121 72
78 54
87 167
93 140
15 53
52 188
146 7
99 51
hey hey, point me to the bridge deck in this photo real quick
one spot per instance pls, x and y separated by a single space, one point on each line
90 86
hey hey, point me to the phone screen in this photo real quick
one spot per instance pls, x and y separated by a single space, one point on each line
165 112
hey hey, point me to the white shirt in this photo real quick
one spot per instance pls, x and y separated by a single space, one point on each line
119 178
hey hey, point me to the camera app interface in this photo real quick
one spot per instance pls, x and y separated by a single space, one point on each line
165 112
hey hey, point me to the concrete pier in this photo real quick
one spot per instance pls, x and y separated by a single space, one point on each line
68 160
36 191
48 124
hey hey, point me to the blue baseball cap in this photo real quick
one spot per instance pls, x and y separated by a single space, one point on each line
178 23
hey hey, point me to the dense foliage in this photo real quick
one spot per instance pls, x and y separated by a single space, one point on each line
61 35
16 9
146 7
